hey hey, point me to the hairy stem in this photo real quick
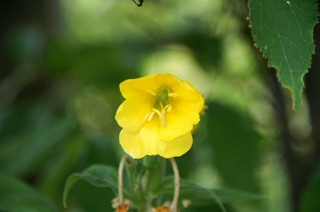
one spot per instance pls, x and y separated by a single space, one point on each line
120 180
174 202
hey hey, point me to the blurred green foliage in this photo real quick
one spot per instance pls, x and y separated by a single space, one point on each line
61 63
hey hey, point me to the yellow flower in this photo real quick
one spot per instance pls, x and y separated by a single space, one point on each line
158 115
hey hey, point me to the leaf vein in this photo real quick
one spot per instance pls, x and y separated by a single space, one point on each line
281 44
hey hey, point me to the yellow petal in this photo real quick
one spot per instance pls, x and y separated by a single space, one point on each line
153 145
153 82
149 134
181 119
140 86
132 112
132 144
178 146
138 145
185 90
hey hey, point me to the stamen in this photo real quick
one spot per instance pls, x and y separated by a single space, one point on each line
161 105
174 95
161 114
161 117
151 92
167 108
148 117
151 116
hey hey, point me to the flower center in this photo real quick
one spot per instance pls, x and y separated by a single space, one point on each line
161 104
162 99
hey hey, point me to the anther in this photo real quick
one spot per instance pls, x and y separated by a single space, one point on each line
151 92
174 95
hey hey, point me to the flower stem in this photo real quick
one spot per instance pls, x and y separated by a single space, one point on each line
120 180
174 202
152 179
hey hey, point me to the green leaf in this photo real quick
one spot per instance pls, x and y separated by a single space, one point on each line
283 31
17 196
100 176
193 194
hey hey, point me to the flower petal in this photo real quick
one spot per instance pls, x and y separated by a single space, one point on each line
185 90
178 146
181 119
140 86
152 83
149 134
138 147
132 112
144 142
132 144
